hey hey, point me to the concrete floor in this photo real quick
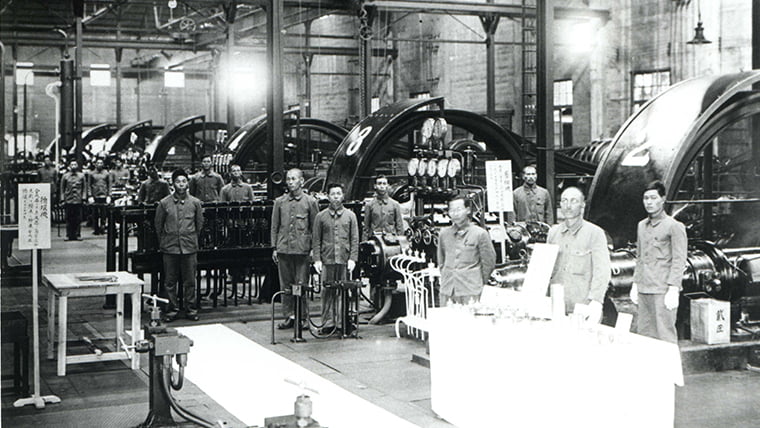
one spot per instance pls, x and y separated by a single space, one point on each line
377 367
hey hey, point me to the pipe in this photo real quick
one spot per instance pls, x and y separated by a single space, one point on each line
49 91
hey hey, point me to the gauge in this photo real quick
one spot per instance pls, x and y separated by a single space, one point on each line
412 167
432 167
427 128
439 128
443 165
454 167
422 168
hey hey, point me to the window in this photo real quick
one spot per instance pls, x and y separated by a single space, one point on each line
563 113
647 85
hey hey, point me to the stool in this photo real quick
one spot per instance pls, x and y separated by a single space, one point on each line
14 330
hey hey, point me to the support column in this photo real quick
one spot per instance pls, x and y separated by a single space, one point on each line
230 80
545 95
78 92
119 52
490 23
366 18
308 57
275 99
707 191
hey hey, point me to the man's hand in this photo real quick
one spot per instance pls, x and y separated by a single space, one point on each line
108 199
351 265
318 267
594 312
274 256
90 200
671 298
634 294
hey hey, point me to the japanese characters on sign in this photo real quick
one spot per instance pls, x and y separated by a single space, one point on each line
34 216
499 185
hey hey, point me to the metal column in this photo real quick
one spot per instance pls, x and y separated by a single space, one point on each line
119 52
308 57
490 23
545 95
275 99
230 81
78 92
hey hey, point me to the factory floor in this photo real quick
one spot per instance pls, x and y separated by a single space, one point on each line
377 367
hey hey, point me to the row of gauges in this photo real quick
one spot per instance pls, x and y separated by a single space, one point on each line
431 167
433 130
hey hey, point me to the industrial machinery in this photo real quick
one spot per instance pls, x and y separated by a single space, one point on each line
164 345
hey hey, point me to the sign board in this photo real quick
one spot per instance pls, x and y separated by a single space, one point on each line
540 269
499 186
34 216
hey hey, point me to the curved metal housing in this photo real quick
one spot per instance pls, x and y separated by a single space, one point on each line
121 139
377 137
249 143
102 131
179 132
660 141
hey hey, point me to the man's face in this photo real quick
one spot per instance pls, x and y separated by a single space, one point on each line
47 160
99 164
293 180
530 176
118 164
335 196
458 212
572 204
653 202
180 184
381 186
236 172
206 164
73 165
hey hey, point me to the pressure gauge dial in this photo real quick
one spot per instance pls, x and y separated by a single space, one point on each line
454 167
412 167
432 167
440 128
443 165
427 128
422 168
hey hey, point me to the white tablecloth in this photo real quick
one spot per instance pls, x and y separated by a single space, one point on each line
488 372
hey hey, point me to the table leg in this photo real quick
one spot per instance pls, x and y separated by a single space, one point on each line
51 325
135 329
62 322
119 318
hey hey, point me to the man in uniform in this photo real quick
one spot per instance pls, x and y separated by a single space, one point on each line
206 185
179 218
73 195
532 202
48 173
583 262
119 176
466 256
100 195
336 247
293 217
382 214
237 190
662 250
153 189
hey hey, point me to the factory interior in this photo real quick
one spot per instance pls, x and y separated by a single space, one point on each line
393 213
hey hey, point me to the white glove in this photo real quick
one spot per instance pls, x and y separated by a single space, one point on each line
318 267
108 199
594 312
351 265
634 294
274 256
90 200
671 298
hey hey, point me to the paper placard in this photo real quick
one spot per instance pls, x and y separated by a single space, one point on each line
34 216
624 322
540 269
499 185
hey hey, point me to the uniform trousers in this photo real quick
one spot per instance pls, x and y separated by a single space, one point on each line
73 220
331 304
180 267
292 269
655 320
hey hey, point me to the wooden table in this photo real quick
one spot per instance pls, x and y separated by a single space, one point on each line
90 284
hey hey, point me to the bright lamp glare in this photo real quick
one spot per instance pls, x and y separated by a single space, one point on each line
581 37
174 79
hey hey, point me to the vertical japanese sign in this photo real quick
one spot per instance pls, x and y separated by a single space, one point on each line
499 186
34 216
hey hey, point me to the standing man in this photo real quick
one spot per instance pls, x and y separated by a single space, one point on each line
179 218
293 217
465 256
206 185
336 247
48 173
119 175
237 190
73 194
532 202
662 244
153 189
583 262
100 195
382 214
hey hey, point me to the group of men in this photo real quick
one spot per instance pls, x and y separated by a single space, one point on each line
301 233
